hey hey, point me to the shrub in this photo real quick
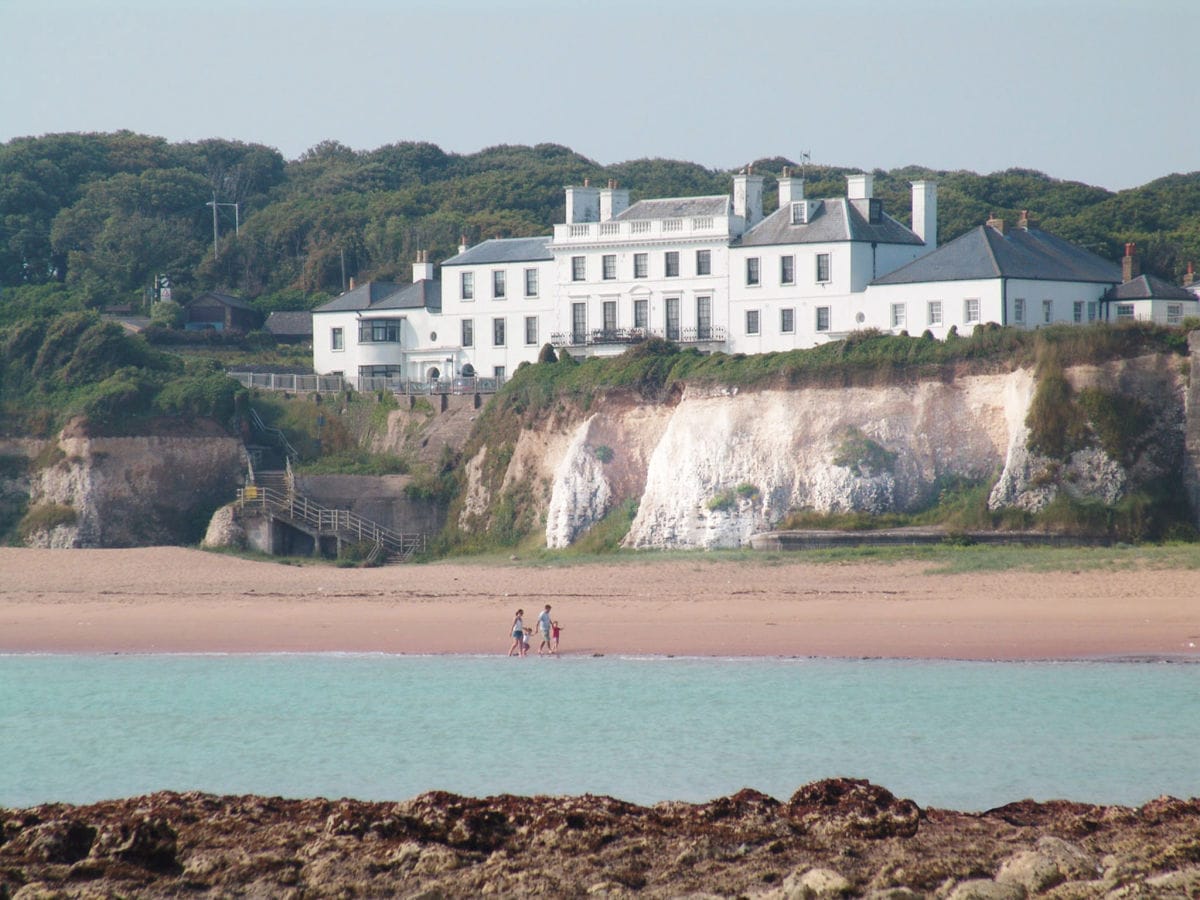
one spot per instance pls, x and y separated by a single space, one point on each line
606 535
1120 423
45 517
864 456
1057 426
603 453
547 354
167 314
210 395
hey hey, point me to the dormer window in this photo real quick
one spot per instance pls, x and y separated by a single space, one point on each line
799 213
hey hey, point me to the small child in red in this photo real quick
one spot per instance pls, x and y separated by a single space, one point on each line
555 628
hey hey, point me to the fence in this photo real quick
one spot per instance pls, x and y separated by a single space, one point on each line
334 384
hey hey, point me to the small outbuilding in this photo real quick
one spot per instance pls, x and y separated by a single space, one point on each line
1148 298
220 312
290 327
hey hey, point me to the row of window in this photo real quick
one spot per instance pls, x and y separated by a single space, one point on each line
1078 309
373 331
787 270
466 284
641 267
787 320
500 332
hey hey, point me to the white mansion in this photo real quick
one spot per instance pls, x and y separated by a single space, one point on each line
713 273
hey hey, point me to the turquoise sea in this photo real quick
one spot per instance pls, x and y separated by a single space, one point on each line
965 735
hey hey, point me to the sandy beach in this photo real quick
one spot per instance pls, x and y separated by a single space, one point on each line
167 599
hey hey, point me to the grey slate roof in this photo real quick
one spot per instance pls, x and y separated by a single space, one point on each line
1148 287
984 252
376 295
289 323
833 220
676 208
504 250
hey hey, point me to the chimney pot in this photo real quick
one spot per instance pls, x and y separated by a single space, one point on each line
1130 267
1190 278
997 223
352 282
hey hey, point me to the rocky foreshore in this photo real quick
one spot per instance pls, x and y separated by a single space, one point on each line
831 839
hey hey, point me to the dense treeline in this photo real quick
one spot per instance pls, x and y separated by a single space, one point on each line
89 220
77 364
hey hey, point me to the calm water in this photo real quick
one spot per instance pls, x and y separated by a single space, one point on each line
962 735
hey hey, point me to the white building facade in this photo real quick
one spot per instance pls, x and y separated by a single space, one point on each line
799 277
715 274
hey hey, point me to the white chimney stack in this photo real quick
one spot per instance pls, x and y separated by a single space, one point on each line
790 188
747 197
422 268
583 204
613 201
924 212
860 187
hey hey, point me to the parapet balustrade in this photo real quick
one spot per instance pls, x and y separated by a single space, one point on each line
675 228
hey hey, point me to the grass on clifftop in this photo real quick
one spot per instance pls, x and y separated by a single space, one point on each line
865 358
654 369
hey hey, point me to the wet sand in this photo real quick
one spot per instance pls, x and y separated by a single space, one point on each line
167 599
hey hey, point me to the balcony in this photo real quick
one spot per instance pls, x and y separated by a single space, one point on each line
615 337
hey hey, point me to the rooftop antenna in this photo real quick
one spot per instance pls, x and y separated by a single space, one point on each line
805 159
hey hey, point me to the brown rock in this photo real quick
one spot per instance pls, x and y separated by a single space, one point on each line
834 837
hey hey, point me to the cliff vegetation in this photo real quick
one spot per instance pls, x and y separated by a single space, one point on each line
1068 430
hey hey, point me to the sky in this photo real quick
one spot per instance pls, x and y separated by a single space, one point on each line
1099 91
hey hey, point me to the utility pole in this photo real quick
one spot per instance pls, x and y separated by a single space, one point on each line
237 225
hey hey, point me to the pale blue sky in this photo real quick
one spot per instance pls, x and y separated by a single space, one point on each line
1100 91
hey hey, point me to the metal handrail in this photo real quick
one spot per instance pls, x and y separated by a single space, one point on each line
334 384
601 336
289 451
339 521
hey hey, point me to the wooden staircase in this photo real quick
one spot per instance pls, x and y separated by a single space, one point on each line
274 493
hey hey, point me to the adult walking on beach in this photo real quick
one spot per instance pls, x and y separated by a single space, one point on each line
543 625
518 634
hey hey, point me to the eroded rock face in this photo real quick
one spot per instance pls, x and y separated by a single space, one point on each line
710 467
136 491
836 838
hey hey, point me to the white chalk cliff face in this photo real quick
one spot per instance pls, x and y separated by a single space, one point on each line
729 467
715 466
134 491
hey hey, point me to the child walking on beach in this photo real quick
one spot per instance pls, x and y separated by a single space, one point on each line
555 628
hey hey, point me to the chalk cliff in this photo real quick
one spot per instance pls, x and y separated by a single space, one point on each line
158 488
711 466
